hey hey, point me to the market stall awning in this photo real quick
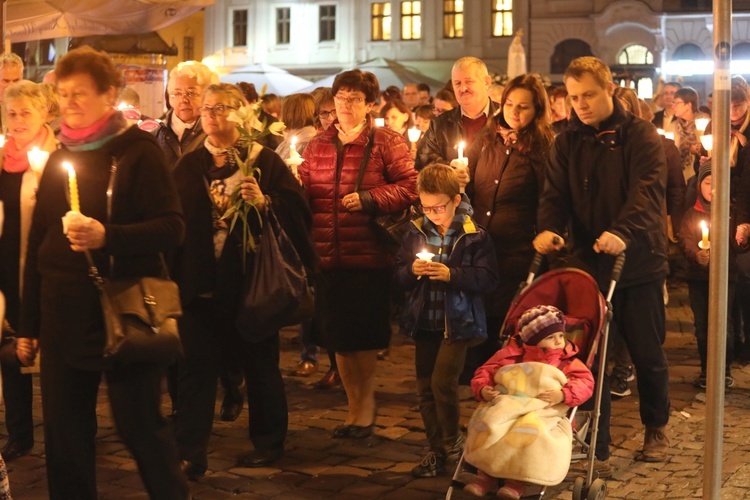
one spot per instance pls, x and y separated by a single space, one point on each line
145 43
276 80
42 19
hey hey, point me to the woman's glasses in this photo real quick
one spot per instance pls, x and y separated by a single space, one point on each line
351 101
327 114
190 94
218 110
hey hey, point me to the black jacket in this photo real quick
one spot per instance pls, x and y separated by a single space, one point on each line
440 140
612 179
195 267
173 148
60 303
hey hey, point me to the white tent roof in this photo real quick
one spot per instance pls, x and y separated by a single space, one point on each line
276 80
40 19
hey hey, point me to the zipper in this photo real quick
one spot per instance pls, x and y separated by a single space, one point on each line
339 166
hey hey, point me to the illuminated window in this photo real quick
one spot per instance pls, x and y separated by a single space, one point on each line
502 17
411 20
635 54
283 25
381 21
453 18
327 23
239 28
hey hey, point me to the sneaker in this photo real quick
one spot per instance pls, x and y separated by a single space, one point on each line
431 465
625 373
602 469
728 381
700 382
512 490
631 374
453 452
655 445
619 387
482 485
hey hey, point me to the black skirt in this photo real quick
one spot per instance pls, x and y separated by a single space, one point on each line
353 309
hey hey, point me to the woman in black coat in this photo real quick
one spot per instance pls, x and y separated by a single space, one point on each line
60 302
506 166
213 271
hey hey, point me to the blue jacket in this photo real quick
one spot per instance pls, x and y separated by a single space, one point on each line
474 273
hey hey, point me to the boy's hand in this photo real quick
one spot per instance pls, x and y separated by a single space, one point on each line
419 267
438 271
26 350
703 257
488 393
553 397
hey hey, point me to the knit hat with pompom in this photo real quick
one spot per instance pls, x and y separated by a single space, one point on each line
540 322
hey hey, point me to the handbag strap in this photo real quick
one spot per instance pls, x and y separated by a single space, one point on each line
96 278
365 160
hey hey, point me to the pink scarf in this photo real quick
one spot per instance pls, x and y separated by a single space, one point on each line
16 160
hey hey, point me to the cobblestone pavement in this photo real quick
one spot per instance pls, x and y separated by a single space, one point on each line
316 466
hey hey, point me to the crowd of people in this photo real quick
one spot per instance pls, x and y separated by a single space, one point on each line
489 176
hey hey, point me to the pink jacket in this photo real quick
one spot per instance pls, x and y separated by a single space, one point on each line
580 384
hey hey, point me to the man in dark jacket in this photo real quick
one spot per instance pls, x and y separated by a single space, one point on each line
181 131
470 84
665 118
605 180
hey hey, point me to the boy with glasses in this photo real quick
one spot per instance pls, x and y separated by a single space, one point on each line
446 263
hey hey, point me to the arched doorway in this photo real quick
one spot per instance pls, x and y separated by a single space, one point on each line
566 51
635 69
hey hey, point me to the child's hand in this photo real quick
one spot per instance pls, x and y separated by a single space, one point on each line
438 271
553 397
703 257
26 350
419 268
488 393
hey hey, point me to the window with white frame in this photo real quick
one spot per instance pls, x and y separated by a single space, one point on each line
453 18
411 20
381 20
502 17
327 17
239 27
283 25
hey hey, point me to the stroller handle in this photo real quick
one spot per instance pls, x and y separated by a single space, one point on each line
617 268
536 263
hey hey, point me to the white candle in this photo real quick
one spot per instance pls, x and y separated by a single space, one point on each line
701 124
75 205
708 142
37 159
425 255
660 131
704 244
414 134
2 141
380 122
293 146
461 146
669 135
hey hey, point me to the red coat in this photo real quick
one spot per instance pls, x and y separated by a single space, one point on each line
580 384
346 240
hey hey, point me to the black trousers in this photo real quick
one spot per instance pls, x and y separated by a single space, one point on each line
18 396
69 409
698 292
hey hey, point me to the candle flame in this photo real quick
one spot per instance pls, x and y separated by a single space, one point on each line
294 140
704 226
67 166
462 144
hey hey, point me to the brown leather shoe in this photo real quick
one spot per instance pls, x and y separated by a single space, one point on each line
305 368
655 445
330 380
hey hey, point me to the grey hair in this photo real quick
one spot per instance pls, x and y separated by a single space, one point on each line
26 89
192 69
8 59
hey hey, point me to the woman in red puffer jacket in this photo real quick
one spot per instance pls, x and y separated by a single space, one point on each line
353 286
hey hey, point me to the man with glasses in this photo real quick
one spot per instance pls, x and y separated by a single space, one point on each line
664 119
471 82
180 131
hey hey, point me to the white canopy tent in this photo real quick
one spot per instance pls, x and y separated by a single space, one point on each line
28 20
276 80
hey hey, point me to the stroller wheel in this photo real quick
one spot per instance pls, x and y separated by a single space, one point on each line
578 488
597 490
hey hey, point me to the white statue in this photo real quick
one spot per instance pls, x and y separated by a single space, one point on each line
516 57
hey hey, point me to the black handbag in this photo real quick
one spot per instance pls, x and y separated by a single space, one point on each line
279 293
140 314
389 228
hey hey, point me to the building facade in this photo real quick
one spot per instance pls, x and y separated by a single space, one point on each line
642 40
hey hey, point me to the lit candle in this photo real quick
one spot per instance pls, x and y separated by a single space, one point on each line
75 205
2 141
461 146
701 124
293 146
414 134
295 159
425 255
708 142
660 131
704 244
380 122
37 159
669 135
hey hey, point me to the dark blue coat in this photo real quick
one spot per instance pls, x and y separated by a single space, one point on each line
473 267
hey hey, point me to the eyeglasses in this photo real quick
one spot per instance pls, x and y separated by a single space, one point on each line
327 114
677 102
351 101
218 110
436 209
438 111
190 94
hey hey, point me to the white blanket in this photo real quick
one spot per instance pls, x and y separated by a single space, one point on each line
516 436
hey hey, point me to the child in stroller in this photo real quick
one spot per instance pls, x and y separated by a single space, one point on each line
536 373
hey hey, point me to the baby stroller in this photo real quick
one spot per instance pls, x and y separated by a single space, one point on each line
588 315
